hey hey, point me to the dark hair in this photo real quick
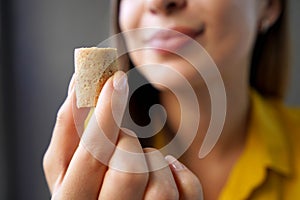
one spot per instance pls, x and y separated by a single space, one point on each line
271 58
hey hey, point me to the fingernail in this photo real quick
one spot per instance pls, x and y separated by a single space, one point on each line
71 84
178 166
120 81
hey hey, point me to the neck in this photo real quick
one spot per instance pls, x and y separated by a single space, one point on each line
214 169
234 130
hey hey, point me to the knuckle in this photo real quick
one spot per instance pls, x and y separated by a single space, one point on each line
86 155
135 180
52 162
48 171
60 116
138 179
52 166
64 113
171 193
192 186
46 162
163 193
191 181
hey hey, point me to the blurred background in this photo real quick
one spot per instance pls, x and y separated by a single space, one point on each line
36 55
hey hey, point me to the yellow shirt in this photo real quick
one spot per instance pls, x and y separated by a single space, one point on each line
269 167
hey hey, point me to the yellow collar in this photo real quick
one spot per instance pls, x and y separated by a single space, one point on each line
267 148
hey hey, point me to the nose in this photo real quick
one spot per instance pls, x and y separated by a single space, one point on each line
165 6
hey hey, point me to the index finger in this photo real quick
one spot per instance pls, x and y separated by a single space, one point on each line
64 141
85 173
102 131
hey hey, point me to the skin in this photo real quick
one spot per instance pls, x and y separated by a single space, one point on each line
72 172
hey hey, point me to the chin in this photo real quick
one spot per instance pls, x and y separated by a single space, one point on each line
163 76
167 70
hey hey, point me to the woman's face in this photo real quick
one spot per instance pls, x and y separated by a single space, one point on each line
225 28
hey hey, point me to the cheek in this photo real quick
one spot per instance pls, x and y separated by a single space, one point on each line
124 19
130 12
231 31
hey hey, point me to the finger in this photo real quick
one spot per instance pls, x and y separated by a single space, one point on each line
188 184
64 141
103 128
127 175
85 173
161 184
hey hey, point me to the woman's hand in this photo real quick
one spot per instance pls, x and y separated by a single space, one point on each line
72 165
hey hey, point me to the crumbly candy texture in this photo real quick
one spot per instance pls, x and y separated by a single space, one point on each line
93 66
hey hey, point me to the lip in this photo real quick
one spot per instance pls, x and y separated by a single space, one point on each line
172 39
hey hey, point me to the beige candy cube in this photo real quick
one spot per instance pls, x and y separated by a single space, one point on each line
93 66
